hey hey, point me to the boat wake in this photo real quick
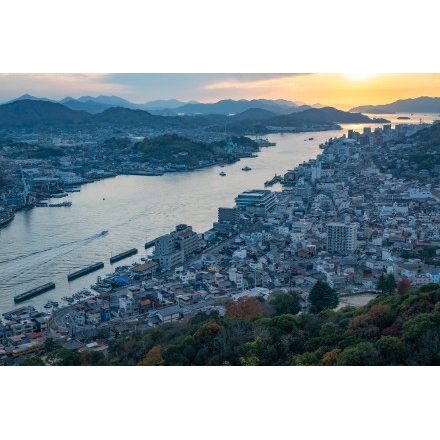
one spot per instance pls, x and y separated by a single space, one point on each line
20 264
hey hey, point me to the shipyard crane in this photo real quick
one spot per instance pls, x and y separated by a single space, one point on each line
230 145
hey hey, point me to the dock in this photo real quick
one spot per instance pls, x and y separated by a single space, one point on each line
85 271
123 255
149 244
34 292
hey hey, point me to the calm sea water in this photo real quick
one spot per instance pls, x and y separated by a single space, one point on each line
44 244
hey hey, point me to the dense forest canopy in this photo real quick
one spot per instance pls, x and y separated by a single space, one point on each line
393 329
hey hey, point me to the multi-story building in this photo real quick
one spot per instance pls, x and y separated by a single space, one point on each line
228 215
264 200
174 248
341 237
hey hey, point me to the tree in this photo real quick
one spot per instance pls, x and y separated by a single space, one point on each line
153 357
392 350
50 345
63 357
381 283
390 284
386 283
403 286
251 358
285 303
32 361
246 307
322 297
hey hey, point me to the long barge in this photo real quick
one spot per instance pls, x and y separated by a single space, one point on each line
85 271
34 292
125 254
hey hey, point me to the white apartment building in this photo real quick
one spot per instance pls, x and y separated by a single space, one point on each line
341 237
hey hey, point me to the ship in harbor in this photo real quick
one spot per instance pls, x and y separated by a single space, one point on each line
6 217
264 142
58 205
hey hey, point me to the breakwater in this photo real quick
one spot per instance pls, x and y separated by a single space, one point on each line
85 271
123 255
34 292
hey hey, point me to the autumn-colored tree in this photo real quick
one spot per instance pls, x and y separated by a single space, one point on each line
85 358
246 307
377 316
208 330
329 358
153 357
403 286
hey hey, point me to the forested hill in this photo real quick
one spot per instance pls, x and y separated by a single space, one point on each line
393 329
32 113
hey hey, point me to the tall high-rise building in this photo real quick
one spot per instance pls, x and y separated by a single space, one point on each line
341 237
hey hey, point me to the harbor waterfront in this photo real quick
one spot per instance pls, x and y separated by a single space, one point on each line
44 245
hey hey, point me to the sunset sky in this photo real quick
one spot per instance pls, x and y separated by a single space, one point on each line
341 90
182 38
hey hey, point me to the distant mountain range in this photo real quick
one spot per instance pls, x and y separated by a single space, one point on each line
423 104
229 106
33 113
169 107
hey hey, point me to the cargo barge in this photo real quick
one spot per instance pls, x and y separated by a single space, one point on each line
125 254
34 292
85 271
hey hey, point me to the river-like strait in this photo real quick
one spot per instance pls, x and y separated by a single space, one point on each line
43 245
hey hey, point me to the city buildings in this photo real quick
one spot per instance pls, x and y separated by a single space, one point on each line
172 249
341 238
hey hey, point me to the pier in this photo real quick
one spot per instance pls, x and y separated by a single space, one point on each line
149 244
123 255
34 292
85 271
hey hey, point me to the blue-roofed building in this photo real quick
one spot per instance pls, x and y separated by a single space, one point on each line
434 276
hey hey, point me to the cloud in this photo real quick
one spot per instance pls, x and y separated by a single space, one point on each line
54 85
255 81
